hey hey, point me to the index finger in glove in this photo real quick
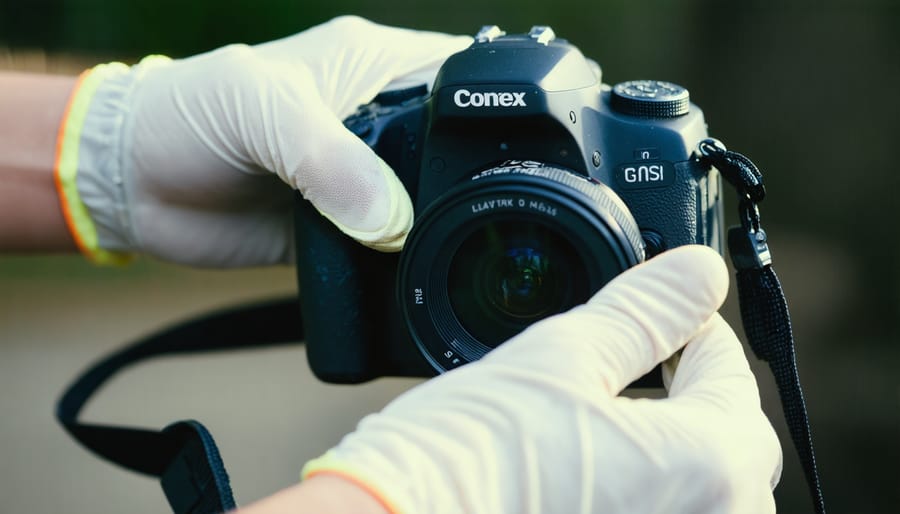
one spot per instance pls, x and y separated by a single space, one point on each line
344 179
636 321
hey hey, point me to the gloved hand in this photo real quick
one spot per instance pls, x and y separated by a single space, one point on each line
179 159
538 426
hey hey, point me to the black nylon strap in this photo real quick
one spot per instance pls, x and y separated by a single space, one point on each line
764 310
767 323
184 454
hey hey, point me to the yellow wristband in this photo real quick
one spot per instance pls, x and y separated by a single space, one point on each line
66 167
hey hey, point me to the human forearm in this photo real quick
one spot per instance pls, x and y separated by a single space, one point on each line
31 108
322 494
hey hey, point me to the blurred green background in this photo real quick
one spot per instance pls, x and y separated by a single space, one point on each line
808 89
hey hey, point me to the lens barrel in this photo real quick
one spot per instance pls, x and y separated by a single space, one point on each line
511 246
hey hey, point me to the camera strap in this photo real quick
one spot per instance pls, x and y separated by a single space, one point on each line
764 310
183 455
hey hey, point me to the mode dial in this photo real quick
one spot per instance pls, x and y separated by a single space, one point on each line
650 99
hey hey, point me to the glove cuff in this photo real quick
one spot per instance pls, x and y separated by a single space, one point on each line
330 464
88 169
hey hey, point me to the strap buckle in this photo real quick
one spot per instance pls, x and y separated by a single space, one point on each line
748 243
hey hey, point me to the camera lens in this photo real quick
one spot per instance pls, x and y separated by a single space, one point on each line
508 274
515 244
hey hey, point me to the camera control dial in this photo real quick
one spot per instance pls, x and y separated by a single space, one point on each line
650 99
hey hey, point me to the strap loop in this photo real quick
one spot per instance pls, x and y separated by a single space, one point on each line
737 169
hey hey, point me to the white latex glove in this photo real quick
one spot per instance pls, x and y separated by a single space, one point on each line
537 426
179 159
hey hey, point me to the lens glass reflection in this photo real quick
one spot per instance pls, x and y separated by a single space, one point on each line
508 274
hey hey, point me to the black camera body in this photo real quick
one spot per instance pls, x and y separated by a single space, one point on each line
533 185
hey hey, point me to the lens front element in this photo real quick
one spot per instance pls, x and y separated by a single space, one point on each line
515 282
508 274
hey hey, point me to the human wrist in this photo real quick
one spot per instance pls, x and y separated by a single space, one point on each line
31 106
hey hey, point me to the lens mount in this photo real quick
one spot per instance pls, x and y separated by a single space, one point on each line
511 246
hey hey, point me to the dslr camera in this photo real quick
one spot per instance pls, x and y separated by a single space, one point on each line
533 185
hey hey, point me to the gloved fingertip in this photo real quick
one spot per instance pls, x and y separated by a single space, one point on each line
393 212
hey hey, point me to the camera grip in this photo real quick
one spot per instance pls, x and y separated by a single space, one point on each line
331 299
